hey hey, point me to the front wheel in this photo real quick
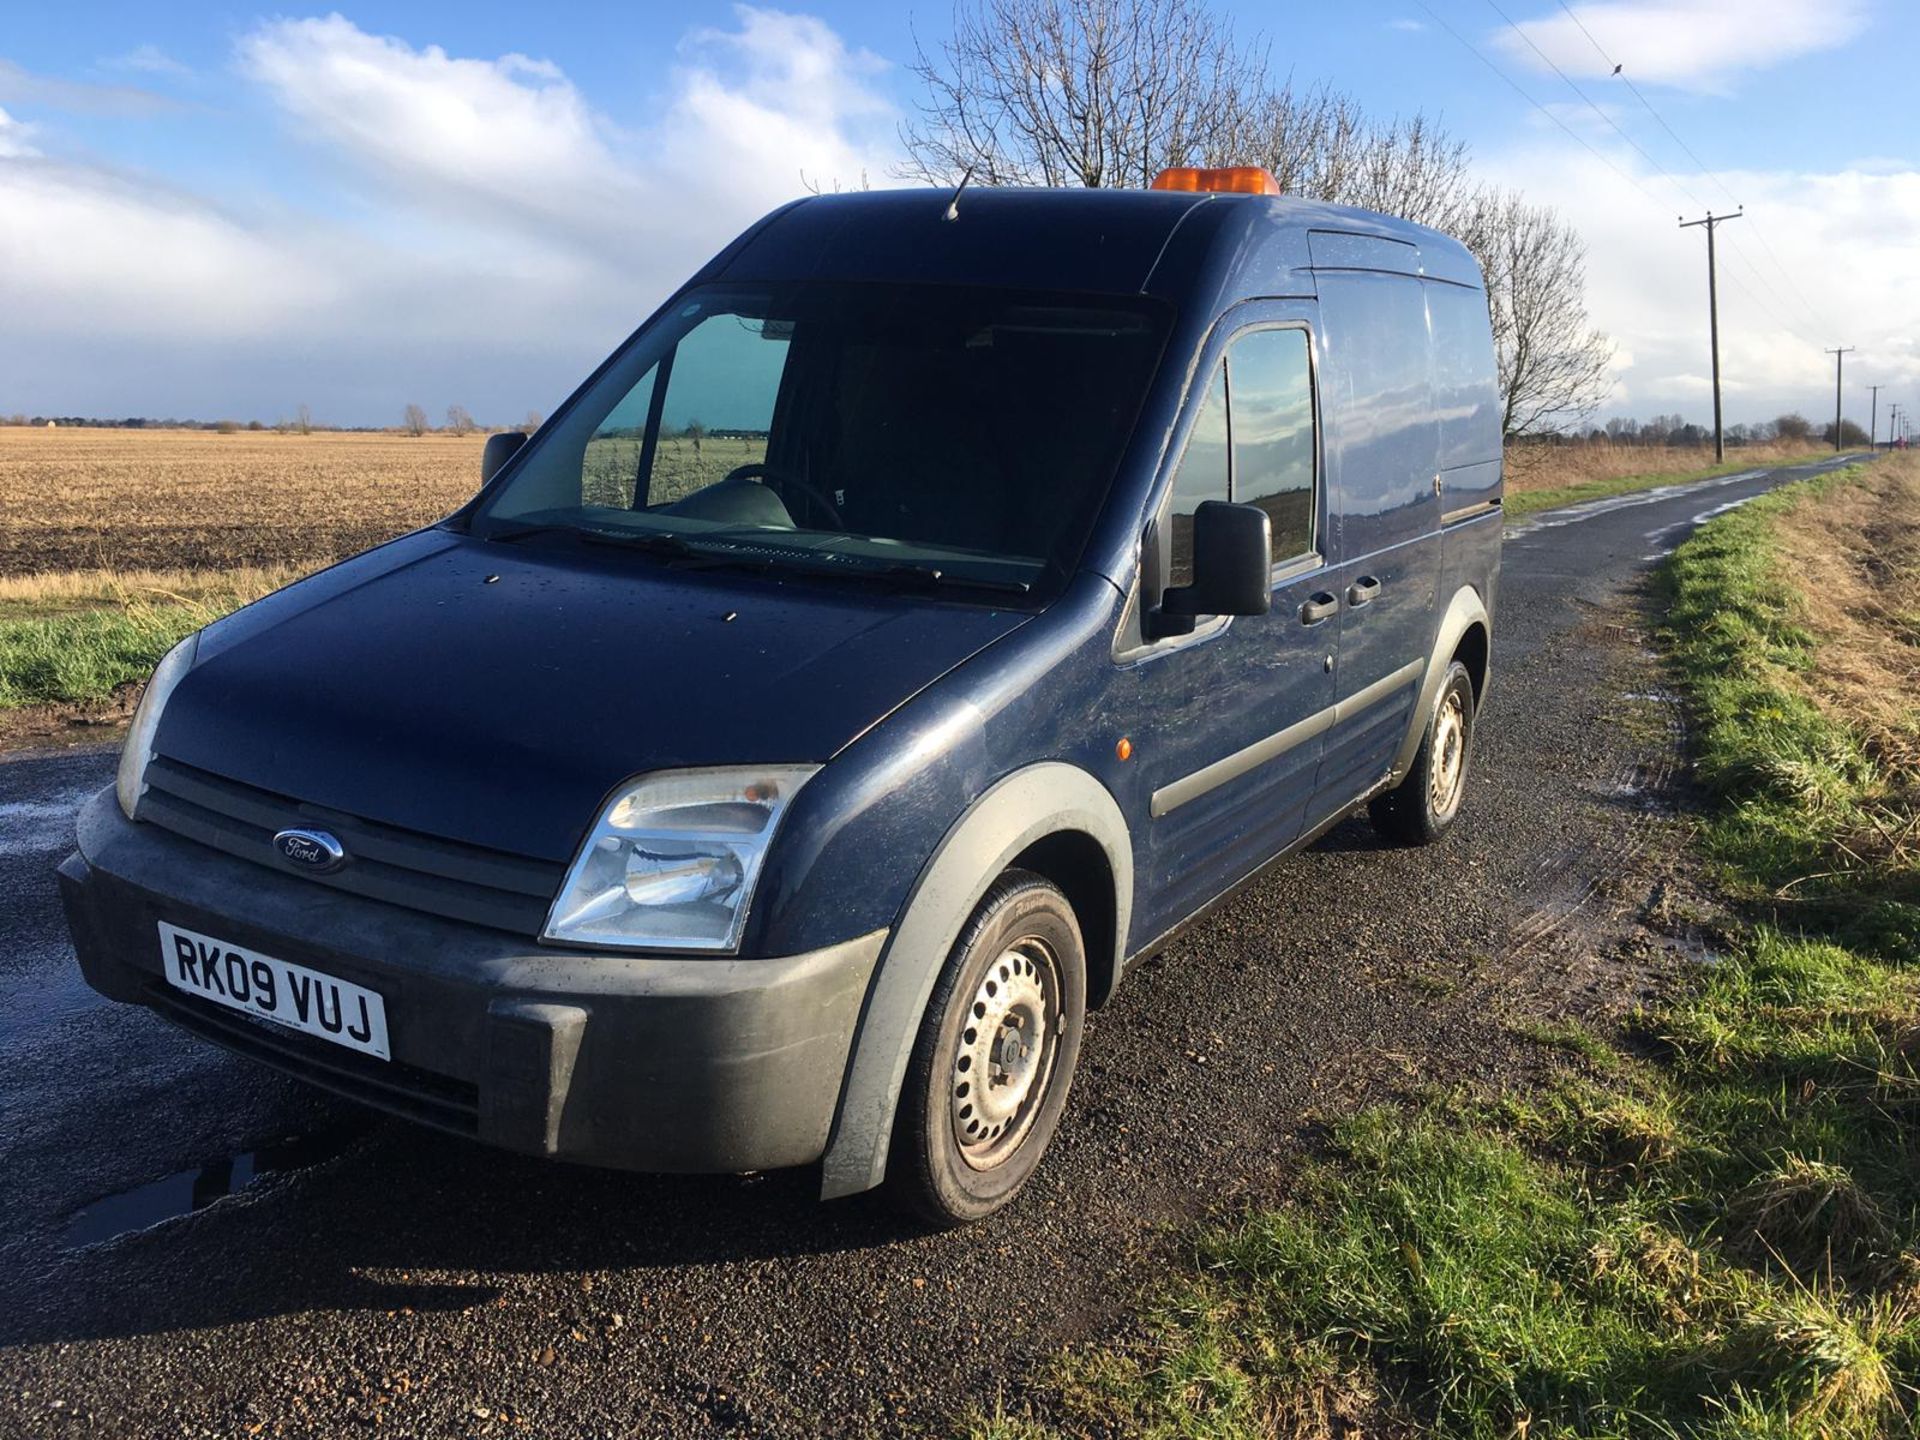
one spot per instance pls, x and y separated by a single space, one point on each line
995 1056
1424 805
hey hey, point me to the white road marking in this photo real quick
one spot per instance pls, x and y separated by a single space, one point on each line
1574 514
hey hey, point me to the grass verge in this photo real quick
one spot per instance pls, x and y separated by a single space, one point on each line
75 639
1714 1236
1527 499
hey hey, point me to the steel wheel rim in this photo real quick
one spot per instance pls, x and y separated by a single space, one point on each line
1449 768
1003 1063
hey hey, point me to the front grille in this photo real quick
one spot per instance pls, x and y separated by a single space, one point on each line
402 867
387 1085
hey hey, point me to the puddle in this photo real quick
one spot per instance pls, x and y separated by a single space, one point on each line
47 991
187 1191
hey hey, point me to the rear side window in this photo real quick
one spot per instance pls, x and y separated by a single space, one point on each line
1270 402
1252 442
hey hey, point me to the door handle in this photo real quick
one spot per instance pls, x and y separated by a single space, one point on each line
1318 607
1363 591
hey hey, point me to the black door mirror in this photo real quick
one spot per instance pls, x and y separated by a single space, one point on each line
500 449
1232 567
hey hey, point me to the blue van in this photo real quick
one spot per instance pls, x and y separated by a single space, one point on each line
934 606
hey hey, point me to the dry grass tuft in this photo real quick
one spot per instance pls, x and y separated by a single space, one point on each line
1808 1213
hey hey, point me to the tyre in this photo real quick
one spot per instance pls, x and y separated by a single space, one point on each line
994 1058
1424 805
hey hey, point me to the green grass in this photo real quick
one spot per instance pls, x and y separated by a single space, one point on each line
1528 502
1793 782
82 656
1715 1237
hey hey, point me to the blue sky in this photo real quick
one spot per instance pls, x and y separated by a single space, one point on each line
208 210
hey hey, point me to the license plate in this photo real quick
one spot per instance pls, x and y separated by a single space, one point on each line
275 990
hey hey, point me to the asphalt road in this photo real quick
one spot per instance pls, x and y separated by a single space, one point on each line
344 1269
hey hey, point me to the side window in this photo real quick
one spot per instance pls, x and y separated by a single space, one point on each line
1270 388
721 383
1202 475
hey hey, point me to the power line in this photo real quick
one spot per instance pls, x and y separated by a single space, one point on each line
1548 61
1607 160
1619 73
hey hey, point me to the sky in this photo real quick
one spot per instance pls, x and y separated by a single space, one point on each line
208 211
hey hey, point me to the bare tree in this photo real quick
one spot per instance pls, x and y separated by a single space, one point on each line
1080 92
533 421
1109 92
1554 366
415 422
459 421
303 418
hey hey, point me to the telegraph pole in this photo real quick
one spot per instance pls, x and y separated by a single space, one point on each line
1873 422
1713 320
1839 360
1893 424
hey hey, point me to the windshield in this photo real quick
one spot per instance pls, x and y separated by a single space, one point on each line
941 435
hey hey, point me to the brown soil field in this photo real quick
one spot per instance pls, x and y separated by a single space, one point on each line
174 501
171 500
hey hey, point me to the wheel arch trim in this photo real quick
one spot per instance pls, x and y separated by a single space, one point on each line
1464 611
1013 814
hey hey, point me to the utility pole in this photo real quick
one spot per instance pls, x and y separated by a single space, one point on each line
1873 422
1713 320
1839 360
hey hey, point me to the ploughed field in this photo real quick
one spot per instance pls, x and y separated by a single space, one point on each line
169 501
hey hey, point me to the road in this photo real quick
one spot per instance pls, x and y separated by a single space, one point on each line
345 1269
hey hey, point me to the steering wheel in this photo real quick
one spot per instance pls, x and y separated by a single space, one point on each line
783 478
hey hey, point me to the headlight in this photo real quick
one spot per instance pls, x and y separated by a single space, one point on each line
131 782
671 862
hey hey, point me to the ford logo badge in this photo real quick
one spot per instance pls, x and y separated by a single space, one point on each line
314 851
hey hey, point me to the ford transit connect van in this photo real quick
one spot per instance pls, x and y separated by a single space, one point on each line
929 610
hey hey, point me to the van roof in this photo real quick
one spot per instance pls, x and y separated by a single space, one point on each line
1173 243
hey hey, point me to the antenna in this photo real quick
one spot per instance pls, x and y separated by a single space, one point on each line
953 205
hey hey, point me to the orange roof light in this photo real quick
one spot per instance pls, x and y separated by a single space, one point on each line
1229 179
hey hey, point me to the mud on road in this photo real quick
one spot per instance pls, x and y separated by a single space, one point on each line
343 1270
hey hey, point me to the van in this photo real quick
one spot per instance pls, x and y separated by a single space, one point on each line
938 603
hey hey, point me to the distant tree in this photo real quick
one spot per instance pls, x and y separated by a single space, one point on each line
459 421
1851 433
415 421
255 425
228 427
533 421
696 432
16 419
1793 427
303 418
1622 429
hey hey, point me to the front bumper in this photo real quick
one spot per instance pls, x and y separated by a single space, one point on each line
635 1061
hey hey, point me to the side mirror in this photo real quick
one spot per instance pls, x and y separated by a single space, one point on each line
1232 567
500 449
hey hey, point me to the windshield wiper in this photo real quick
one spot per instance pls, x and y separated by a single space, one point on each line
932 577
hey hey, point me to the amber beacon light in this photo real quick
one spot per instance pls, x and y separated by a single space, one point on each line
1229 179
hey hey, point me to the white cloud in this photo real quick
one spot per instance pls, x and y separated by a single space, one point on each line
148 60
1842 239
1689 44
14 144
23 87
516 235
